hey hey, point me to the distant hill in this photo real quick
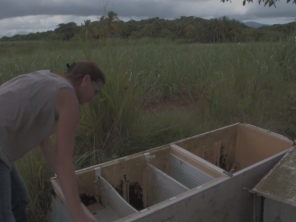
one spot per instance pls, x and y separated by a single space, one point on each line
184 29
254 24
10 34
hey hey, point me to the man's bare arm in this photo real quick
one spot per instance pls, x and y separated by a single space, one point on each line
49 153
69 115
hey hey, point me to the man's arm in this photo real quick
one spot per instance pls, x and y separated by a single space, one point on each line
49 153
69 116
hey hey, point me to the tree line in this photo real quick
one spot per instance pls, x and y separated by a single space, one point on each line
191 29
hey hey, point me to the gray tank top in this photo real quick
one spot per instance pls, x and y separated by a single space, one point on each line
28 112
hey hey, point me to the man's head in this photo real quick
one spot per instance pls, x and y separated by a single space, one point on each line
87 78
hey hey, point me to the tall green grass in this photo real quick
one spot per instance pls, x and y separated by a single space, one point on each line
221 84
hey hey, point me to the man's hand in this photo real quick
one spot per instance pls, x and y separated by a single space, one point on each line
85 218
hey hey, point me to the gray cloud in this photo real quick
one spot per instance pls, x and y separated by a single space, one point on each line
41 15
144 8
14 8
256 11
150 8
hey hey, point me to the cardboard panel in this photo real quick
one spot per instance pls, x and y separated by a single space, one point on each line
118 207
162 159
255 145
187 174
161 186
217 146
129 178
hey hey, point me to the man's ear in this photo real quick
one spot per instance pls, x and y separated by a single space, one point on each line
85 79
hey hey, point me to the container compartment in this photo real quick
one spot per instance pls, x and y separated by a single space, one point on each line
115 206
140 183
187 174
98 198
161 186
235 147
144 180
128 177
182 166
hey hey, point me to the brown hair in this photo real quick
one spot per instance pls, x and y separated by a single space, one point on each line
77 70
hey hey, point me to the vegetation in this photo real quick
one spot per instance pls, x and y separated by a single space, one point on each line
220 84
266 2
188 29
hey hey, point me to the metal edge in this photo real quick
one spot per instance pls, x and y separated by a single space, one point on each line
208 132
268 132
167 203
167 176
289 202
149 150
199 159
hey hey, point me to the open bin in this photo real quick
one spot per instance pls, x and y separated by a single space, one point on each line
150 178
188 180
236 147
128 185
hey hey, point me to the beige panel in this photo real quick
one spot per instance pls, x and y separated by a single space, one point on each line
115 175
86 184
162 159
254 146
207 146
212 154
126 176
137 181
58 191
196 164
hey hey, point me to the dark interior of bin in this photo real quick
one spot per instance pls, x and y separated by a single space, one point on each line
235 147
162 161
129 176
88 191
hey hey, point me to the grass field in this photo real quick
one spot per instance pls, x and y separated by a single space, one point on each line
219 84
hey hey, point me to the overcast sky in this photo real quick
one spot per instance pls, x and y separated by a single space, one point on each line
17 16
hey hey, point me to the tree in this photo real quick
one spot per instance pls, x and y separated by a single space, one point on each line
66 31
109 24
189 31
89 29
266 2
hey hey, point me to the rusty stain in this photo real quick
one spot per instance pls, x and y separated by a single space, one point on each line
222 162
136 196
119 188
87 199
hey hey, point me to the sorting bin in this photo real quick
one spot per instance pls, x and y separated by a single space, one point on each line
202 178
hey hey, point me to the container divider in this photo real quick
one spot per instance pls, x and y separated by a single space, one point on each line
161 186
197 158
187 174
113 201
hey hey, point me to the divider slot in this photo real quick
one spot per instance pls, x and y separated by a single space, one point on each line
161 186
115 206
187 174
